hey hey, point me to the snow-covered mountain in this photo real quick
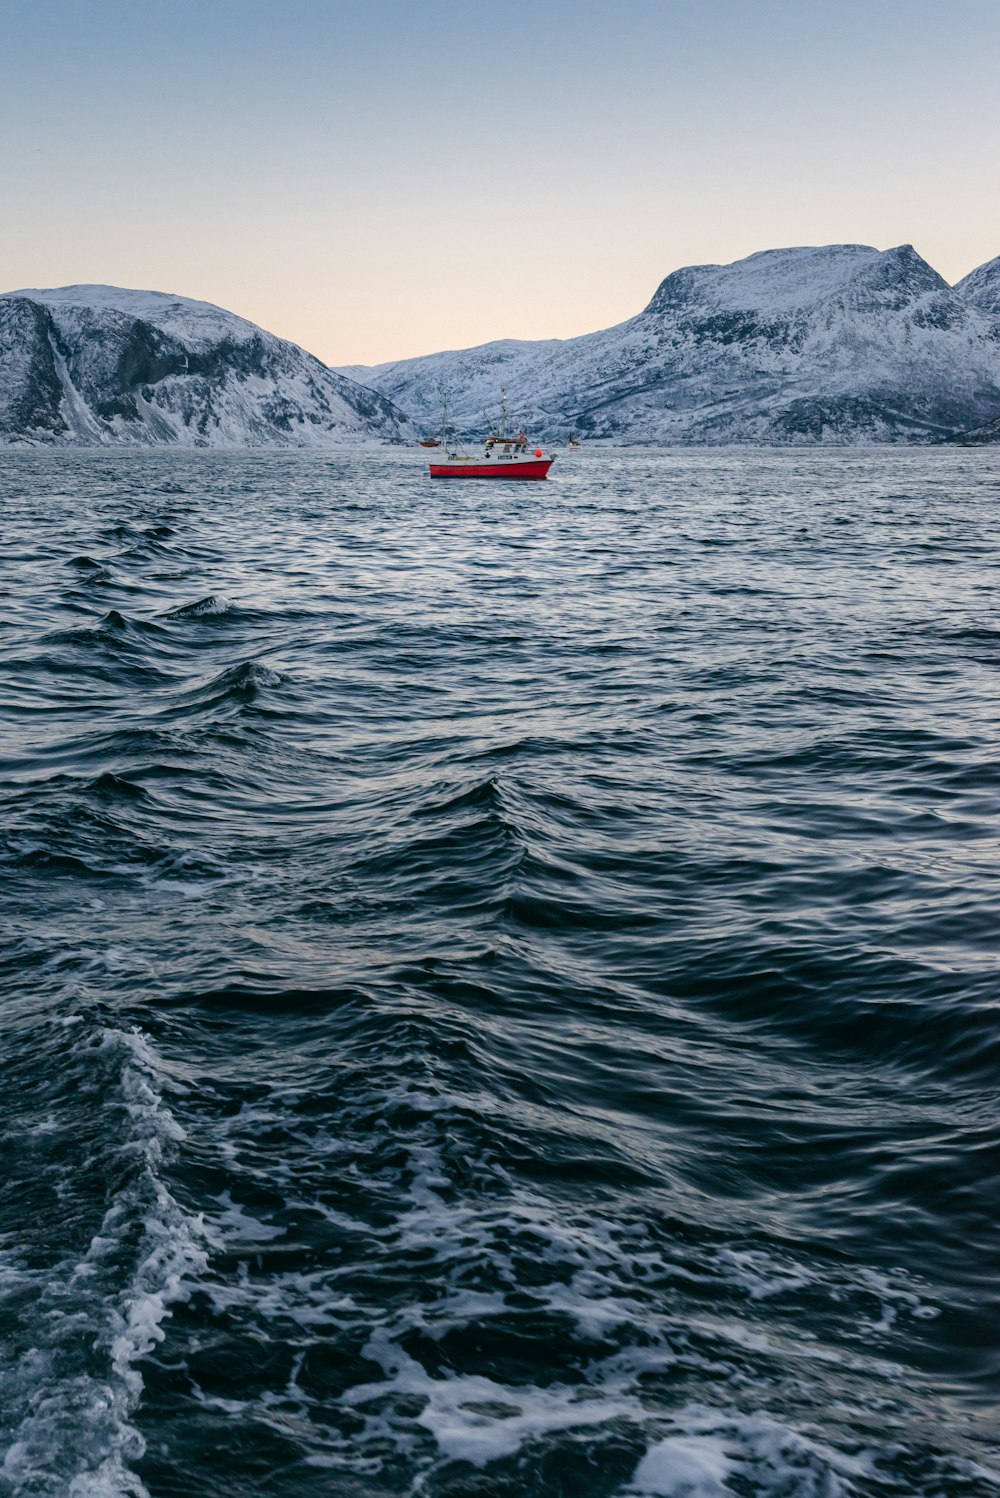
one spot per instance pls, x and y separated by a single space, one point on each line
99 364
837 344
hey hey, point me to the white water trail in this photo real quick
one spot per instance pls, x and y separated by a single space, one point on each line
73 1433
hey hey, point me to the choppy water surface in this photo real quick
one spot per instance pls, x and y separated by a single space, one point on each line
500 983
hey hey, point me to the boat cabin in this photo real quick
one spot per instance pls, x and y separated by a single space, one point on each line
506 447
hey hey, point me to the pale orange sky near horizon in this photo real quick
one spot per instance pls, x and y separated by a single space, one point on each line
333 175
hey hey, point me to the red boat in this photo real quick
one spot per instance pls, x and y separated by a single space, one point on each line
504 457
513 464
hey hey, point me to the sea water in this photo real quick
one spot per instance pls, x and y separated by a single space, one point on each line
500 981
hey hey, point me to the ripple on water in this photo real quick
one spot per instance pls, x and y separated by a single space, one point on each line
499 989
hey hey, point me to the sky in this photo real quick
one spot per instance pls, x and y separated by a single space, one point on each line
383 179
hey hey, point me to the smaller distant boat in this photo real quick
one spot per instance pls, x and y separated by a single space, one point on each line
505 456
429 442
574 442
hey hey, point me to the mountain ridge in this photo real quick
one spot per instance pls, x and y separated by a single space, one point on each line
809 344
836 343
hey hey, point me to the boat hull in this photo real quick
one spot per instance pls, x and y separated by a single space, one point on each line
533 468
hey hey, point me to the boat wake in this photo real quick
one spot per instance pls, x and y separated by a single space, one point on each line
82 1325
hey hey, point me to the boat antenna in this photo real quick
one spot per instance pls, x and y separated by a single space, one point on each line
444 418
455 446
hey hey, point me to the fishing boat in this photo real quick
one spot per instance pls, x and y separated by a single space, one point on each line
505 456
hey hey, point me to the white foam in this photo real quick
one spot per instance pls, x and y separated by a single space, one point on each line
684 1467
256 674
73 1435
894 1298
213 604
303 1298
173 1253
474 1418
235 1225
204 608
607 1281
710 1445
761 1275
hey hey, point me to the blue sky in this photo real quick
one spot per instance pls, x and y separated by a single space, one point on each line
381 180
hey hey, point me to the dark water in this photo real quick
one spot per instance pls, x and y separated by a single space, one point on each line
500 986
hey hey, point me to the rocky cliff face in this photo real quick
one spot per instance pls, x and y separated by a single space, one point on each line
840 344
99 364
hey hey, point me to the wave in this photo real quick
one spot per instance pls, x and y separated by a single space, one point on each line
86 1323
210 607
498 991
112 633
239 682
111 786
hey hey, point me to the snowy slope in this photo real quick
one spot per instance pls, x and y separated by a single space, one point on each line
984 436
981 287
838 344
101 364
